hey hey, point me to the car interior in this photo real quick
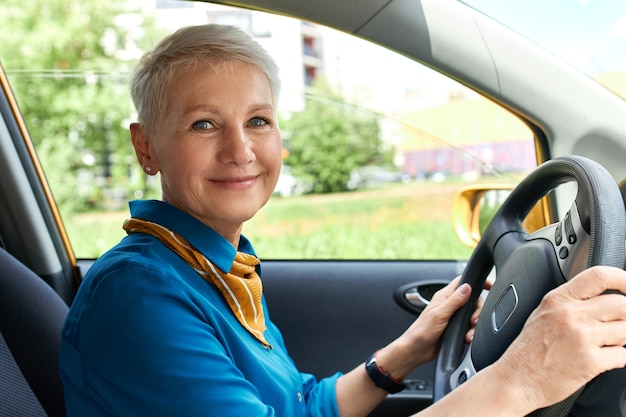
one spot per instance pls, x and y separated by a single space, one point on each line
335 312
31 316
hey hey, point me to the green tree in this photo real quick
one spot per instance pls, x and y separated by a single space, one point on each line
66 63
329 139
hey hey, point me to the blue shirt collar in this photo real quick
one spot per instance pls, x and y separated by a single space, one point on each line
206 240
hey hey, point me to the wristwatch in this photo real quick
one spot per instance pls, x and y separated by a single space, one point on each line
381 378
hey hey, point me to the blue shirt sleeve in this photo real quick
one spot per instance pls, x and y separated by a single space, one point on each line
141 341
320 396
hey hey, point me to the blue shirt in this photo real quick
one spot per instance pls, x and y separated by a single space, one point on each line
147 336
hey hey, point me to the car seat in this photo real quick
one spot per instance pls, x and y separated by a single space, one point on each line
31 317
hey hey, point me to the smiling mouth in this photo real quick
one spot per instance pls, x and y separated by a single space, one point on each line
236 183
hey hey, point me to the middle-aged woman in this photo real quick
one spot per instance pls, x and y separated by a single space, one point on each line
172 320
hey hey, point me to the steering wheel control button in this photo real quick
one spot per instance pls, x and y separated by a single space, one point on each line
416 384
462 378
571 238
563 252
569 229
504 308
567 221
558 235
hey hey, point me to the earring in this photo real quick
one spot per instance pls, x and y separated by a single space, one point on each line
148 170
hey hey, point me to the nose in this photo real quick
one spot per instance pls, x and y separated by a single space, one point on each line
237 147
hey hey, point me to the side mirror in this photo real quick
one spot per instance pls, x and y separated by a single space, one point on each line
475 206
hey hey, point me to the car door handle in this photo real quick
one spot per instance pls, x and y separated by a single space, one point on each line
415 297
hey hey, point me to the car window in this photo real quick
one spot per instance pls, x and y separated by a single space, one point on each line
375 145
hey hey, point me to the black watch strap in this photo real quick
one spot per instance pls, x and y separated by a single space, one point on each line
381 378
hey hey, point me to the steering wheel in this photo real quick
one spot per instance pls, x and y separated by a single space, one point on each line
527 266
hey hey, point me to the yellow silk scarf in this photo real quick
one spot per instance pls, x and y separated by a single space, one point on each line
241 287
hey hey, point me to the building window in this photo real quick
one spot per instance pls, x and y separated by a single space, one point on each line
256 25
310 74
309 46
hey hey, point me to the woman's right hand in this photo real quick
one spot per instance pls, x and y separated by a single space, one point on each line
577 332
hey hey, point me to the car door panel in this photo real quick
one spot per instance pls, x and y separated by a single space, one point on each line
334 314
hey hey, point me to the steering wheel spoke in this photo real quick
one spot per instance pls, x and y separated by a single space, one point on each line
464 371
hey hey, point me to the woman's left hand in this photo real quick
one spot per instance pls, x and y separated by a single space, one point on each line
420 342
431 323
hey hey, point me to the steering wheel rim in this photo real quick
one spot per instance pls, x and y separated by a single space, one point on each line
596 226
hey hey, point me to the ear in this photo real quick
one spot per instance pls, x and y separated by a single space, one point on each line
142 149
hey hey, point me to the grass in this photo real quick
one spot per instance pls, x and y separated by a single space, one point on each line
401 222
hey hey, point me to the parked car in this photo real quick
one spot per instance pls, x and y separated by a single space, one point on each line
289 185
340 283
375 176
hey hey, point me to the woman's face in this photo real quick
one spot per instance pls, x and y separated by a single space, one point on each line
218 149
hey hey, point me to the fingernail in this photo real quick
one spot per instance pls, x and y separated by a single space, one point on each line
464 289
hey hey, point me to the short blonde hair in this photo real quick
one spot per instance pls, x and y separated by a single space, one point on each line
189 46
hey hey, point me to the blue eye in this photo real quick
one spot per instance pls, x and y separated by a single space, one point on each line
202 125
258 121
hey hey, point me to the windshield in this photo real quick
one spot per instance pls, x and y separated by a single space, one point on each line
588 34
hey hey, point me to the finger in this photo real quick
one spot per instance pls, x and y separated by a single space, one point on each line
444 293
612 333
613 357
475 316
606 307
442 307
457 299
594 281
479 308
